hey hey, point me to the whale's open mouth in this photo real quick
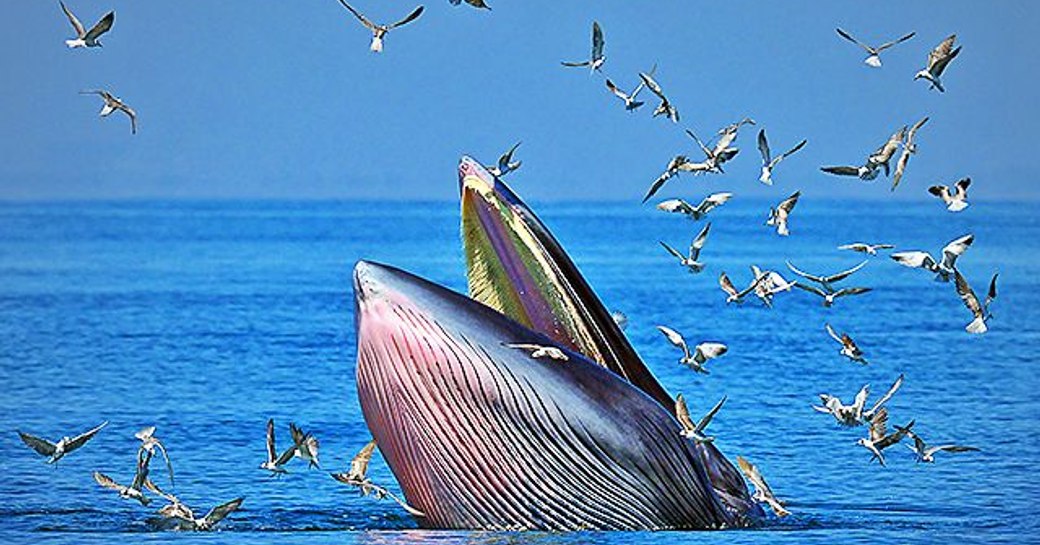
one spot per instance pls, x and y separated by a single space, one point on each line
484 435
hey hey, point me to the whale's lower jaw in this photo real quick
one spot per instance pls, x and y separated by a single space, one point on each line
482 436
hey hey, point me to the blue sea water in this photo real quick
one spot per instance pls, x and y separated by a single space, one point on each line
206 319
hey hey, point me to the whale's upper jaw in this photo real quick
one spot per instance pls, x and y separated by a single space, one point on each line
517 267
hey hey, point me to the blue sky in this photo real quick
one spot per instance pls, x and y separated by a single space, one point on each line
274 99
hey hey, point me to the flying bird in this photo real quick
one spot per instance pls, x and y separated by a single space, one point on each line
481 4
596 60
778 216
874 53
113 103
84 37
845 415
849 349
979 310
64 446
701 354
865 172
679 163
762 493
829 298
909 148
879 438
943 269
665 108
275 463
183 518
150 442
883 155
768 161
865 248
769 283
539 351
133 491
926 454
938 59
709 203
826 281
379 31
506 164
732 294
690 261
306 445
956 199
691 430
357 477
631 104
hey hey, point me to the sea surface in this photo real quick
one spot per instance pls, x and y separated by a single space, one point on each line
207 318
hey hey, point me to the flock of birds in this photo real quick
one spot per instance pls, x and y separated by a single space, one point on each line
765 284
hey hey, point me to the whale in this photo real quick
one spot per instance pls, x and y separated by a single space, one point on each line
482 435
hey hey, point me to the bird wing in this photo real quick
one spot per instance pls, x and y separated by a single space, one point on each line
101 27
754 284
145 433
221 511
832 333
922 260
752 474
712 350
42 447
955 248
682 414
713 200
804 274
364 20
672 251
141 475
961 188
658 184
810 289
272 455
841 170
913 130
82 438
106 481
844 274
790 152
582 63
78 26
888 395
507 158
850 291
411 17
787 205
597 41
861 398
887 45
698 243
287 455
131 113
904 158
940 191
879 425
763 148
297 434
849 37
967 295
727 285
617 92
992 293
359 464
154 489
675 338
703 423
855 246
952 448
652 85
943 53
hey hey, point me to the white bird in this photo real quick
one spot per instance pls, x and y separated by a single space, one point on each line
865 248
631 104
379 31
133 491
306 445
690 261
732 294
979 310
690 430
944 269
829 298
762 493
883 155
778 216
183 518
849 349
874 53
65 445
926 454
665 108
357 477
275 463
955 200
826 281
769 283
768 161
540 351
506 164
909 148
938 58
84 37
879 438
113 103
698 212
596 60
845 415
150 442
701 354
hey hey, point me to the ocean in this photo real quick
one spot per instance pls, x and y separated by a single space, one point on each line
207 318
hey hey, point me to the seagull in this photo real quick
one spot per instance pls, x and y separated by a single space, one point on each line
540 351
769 283
481 4
357 477
826 282
679 163
778 216
631 104
134 490
150 442
865 172
690 261
84 37
979 311
762 491
307 445
379 31
620 319
938 58
275 462
691 430
506 164
955 200
65 445
665 108
829 298
846 415
702 352
113 103
732 295
698 212
874 53
879 438
909 148
883 155
944 269
768 161
183 517
926 454
849 349
597 59
865 248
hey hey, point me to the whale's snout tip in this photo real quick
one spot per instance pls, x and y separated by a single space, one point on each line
369 277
